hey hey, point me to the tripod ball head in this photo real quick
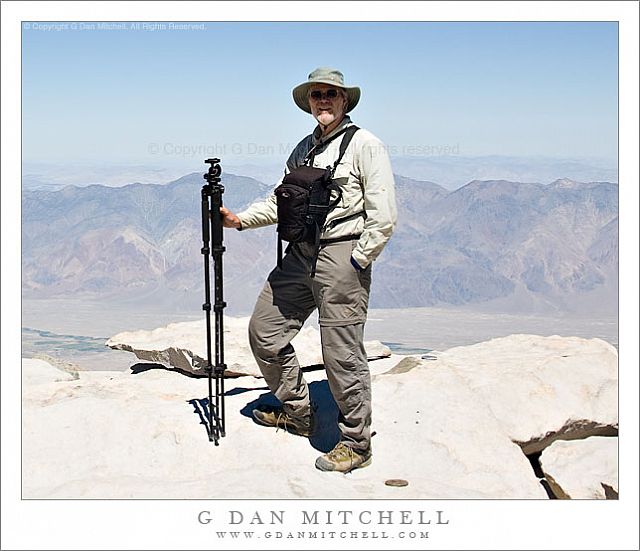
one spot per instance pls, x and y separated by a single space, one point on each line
215 170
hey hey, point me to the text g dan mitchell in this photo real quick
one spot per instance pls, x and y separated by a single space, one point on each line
327 517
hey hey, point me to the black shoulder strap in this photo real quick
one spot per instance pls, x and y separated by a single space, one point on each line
349 131
346 140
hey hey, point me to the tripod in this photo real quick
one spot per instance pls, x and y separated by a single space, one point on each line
212 234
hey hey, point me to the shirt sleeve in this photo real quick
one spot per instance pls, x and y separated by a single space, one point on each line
379 202
259 214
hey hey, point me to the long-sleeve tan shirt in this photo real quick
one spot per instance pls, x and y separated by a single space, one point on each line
367 206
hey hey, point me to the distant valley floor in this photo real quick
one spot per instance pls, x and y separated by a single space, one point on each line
408 330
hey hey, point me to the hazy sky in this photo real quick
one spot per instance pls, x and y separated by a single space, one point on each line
163 95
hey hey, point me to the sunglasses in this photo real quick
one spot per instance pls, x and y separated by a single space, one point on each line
331 93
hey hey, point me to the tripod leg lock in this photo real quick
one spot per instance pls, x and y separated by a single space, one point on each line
219 306
206 307
220 369
205 250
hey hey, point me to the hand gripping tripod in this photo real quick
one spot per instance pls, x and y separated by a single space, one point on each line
212 234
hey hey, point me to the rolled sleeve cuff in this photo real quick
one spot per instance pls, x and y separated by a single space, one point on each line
243 223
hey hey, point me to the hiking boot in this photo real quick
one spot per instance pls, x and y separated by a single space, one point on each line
344 459
270 416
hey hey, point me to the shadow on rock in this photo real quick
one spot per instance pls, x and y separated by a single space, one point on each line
201 409
199 374
326 434
142 367
201 405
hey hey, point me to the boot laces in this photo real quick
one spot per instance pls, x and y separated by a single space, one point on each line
282 416
286 420
341 453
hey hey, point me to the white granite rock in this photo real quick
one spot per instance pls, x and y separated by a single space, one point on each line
432 431
37 371
454 426
183 345
582 469
543 388
152 443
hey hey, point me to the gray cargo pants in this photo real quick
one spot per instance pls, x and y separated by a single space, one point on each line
341 294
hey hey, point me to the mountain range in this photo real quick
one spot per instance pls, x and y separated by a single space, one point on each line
451 170
524 247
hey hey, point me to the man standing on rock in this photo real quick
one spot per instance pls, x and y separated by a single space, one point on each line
332 274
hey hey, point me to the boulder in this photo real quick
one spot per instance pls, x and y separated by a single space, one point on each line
183 346
543 389
582 469
38 371
432 431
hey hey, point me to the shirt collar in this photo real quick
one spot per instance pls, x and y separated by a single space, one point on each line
317 132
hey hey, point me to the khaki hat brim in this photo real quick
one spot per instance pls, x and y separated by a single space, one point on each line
300 93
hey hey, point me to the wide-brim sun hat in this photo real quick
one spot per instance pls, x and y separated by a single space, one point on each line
325 75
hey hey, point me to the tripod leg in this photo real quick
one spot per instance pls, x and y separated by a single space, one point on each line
212 220
221 364
219 304
206 239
